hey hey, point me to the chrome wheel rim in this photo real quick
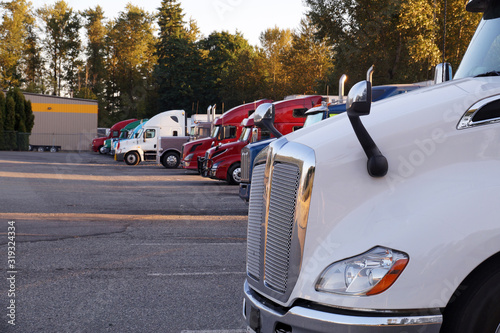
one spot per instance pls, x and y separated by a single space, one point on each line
131 158
498 329
171 160
237 175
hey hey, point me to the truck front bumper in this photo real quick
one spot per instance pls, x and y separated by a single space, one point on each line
261 318
119 157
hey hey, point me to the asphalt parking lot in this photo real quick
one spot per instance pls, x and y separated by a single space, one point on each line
93 245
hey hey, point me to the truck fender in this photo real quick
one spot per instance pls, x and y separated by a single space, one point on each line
134 157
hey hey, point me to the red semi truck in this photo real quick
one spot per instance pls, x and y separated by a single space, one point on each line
114 132
227 128
224 161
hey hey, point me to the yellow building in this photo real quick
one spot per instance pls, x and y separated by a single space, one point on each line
68 123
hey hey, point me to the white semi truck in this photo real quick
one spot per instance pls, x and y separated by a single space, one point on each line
390 223
160 140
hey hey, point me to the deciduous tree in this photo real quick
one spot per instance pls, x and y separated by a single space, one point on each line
276 44
308 61
403 39
16 20
131 60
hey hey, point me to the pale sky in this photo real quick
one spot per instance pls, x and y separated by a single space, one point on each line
248 17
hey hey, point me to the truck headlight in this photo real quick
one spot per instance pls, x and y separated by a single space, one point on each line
367 274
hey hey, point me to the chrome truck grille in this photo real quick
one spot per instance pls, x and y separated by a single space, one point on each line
245 165
277 218
279 231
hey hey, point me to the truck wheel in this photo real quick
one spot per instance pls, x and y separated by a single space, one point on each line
476 307
170 160
53 150
40 149
234 174
101 150
132 158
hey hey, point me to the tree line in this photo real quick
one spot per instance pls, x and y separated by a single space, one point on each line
141 63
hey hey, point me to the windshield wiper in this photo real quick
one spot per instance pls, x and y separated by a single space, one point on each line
492 73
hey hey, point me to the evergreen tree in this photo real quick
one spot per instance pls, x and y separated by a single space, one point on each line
73 65
179 72
30 117
34 73
10 123
95 50
20 124
62 43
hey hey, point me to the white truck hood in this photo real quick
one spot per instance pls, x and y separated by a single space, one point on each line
428 156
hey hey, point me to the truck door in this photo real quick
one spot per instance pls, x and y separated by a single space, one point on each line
150 139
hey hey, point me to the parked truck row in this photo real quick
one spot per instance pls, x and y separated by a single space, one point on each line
375 212
158 139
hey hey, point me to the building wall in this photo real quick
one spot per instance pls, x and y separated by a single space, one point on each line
67 122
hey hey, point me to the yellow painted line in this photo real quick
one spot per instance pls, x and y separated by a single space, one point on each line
174 178
120 217
52 163
64 108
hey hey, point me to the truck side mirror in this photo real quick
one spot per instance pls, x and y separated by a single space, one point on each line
255 135
264 117
359 99
358 104
443 72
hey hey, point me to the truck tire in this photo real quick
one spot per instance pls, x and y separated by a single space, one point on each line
99 149
234 174
103 150
170 160
476 307
132 158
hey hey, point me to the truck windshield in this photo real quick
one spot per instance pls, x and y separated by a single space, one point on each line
483 55
215 131
313 118
245 134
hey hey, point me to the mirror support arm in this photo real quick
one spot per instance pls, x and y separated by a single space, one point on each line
377 164
269 124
